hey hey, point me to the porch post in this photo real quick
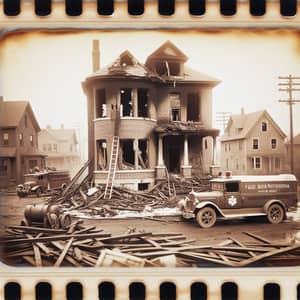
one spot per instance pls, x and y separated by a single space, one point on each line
134 102
186 169
160 151
214 160
136 153
186 151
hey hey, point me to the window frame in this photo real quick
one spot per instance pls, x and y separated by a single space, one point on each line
254 162
21 138
261 126
253 139
5 141
276 143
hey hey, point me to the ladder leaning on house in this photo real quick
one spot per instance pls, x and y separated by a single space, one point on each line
112 167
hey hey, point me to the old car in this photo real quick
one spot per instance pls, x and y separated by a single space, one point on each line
39 182
242 196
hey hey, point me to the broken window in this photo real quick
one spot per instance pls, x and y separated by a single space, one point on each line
126 60
126 102
102 154
174 99
101 108
161 68
142 95
168 68
127 154
193 107
143 154
174 69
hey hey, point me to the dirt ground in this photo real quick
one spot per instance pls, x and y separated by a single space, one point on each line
12 209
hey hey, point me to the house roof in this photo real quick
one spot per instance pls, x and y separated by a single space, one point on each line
296 140
193 75
246 122
167 51
11 113
62 134
117 69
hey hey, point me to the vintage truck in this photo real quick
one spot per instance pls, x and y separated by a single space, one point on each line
41 181
242 196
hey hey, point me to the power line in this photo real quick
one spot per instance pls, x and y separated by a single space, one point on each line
290 84
222 118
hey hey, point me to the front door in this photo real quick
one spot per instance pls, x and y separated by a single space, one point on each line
174 159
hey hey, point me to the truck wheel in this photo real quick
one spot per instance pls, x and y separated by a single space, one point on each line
65 221
275 213
206 217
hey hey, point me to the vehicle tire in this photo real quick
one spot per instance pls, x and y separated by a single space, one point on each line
206 217
54 221
38 192
275 213
25 222
63 186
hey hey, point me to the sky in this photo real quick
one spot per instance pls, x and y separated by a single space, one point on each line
47 68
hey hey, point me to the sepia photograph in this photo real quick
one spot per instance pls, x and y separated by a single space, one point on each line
150 148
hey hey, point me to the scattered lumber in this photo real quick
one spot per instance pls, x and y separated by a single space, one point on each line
91 247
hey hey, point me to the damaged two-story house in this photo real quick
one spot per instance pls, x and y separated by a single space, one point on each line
160 114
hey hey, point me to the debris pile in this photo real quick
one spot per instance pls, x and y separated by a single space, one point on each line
88 246
80 196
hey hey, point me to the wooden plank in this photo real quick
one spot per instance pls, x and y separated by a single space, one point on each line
33 229
257 237
243 246
125 236
36 251
267 255
58 237
29 259
64 252
68 258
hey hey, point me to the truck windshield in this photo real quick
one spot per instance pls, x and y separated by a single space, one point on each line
217 186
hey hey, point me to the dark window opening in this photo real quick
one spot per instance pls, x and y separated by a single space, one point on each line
143 154
255 144
174 69
126 60
43 291
126 103
161 68
3 167
274 143
143 186
101 107
74 291
264 126
102 154
137 291
198 291
175 106
127 153
143 96
174 159
298 291
229 291
175 114
167 291
106 291
271 291
12 291
193 107
232 187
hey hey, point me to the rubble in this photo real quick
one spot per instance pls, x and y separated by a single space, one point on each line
78 245
80 197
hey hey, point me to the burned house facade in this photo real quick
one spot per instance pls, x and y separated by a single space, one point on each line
160 114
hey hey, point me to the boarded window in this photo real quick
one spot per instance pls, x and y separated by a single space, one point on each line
193 108
142 95
101 108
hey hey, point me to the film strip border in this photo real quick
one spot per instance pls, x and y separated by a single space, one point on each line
137 284
137 7
148 14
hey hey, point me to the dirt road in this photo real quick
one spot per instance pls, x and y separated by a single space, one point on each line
12 208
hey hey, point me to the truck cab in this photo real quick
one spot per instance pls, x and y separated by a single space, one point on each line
242 196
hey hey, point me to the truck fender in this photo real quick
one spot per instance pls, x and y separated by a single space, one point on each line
35 188
211 204
270 202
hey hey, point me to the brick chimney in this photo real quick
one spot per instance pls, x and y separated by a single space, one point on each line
96 56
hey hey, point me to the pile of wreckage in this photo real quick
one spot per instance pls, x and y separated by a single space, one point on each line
78 245
80 196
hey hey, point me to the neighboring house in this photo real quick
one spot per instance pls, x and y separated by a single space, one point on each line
61 147
253 144
296 155
161 111
19 152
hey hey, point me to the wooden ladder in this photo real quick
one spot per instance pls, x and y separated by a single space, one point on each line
112 167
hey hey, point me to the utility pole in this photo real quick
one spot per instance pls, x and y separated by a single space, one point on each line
222 118
289 85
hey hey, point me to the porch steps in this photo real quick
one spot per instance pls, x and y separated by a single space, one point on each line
112 167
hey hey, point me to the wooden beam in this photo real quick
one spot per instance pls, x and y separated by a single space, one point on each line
63 254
